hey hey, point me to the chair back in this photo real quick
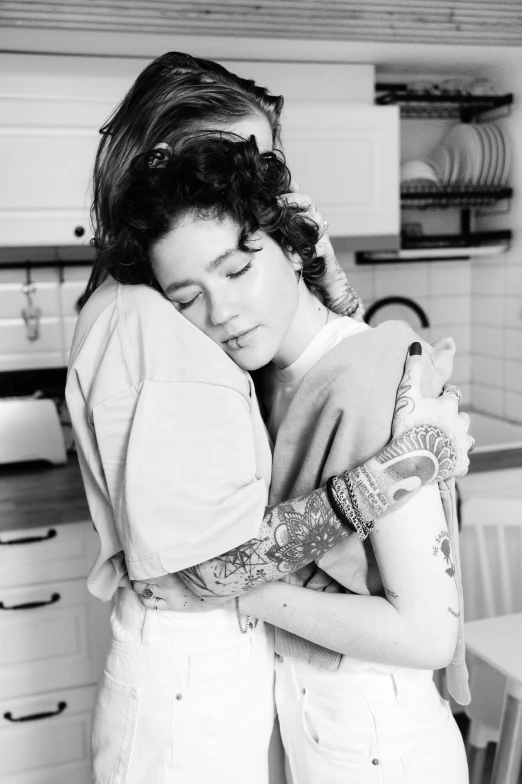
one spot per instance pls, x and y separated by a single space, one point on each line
491 556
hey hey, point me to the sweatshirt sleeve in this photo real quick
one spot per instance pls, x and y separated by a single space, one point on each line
190 490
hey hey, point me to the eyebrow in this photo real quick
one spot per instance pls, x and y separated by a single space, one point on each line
179 284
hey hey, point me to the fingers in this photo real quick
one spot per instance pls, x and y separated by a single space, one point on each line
413 369
154 603
444 344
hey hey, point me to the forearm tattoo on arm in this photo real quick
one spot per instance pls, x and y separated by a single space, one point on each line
442 547
292 535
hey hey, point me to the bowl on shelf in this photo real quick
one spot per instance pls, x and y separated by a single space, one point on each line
418 171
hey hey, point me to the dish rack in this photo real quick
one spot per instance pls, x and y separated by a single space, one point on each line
426 195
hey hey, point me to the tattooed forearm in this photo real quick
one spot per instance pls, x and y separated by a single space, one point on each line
292 535
302 530
337 293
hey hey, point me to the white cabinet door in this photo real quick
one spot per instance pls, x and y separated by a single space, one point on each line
347 159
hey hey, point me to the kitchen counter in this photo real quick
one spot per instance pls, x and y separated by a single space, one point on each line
36 494
495 461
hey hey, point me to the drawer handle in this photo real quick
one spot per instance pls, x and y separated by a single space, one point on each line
37 716
31 605
30 539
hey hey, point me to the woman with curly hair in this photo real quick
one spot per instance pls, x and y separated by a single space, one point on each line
242 268
176 462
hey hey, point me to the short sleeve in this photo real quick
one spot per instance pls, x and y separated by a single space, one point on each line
190 490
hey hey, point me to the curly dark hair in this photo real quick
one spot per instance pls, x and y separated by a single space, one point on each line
212 175
174 97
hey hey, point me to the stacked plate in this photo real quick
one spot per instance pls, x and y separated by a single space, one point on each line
473 156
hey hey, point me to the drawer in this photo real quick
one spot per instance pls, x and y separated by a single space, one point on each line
51 744
60 642
38 555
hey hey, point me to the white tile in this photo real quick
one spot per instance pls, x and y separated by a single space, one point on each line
488 280
362 281
488 371
461 369
449 278
513 344
461 334
513 406
487 340
449 311
512 312
514 280
487 399
513 376
487 310
401 280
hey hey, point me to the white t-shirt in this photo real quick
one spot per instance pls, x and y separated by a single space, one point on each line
282 384
173 451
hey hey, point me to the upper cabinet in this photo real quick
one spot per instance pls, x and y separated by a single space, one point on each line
343 150
346 157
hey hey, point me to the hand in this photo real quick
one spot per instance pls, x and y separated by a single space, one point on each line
173 594
438 365
336 292
414 411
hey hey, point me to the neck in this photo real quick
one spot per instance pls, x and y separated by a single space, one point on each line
310 317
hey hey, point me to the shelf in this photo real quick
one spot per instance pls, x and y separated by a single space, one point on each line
441 247
441 197
430 105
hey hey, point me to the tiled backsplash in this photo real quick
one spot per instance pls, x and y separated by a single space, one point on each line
57 301
496 334
443 291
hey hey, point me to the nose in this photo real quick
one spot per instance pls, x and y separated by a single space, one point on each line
222 309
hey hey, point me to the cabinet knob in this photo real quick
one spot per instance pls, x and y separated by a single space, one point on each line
79 231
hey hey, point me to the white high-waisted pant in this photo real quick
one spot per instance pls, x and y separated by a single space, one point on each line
185 699
366 727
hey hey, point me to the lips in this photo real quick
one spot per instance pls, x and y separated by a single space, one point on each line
240 339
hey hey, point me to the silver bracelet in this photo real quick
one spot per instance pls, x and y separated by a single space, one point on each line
363 530
369 525
239 623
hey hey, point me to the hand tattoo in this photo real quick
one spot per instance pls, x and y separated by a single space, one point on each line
404 400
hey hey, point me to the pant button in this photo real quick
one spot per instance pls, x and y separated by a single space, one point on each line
375 761
179 696
279 658
303 691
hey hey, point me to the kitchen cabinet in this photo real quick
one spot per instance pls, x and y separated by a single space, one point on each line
347 158
54 637
345 154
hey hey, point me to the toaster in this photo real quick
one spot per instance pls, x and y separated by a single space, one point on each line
30 429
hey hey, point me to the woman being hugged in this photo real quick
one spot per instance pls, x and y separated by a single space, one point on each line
176 466
241 267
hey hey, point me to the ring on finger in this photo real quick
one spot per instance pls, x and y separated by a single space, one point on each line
157 600
148 592
451 389
325 225
473 445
